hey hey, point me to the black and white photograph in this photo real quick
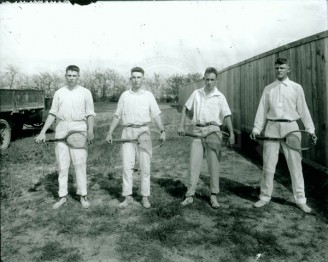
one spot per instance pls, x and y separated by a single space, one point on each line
164 131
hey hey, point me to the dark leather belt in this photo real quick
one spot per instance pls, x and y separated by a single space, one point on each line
207 124
281 120
136 126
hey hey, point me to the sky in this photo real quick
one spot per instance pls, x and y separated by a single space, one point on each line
164 37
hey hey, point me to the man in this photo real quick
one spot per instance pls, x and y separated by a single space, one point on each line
136 107
282 103
73 108
210 109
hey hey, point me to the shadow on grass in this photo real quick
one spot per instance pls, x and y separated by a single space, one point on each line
175 188
54 250
316 182
50 183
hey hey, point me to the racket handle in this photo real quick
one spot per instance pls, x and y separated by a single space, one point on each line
53 140
192 135
268 138
125 140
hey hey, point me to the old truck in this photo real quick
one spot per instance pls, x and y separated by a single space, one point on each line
19 107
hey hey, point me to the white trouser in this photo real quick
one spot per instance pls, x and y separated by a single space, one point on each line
64 155
196 160
270 159
129 152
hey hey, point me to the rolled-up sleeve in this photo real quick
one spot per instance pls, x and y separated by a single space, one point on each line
153 106
119 108
190 102
225 109
54 105
90 110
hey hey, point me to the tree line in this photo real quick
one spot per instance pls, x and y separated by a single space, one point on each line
105 84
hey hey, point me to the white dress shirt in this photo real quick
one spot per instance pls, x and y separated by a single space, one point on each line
72 105
283 100
208 108
137 108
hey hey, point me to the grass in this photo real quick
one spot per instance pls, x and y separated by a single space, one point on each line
32 231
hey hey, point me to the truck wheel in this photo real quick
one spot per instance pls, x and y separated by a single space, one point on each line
5 132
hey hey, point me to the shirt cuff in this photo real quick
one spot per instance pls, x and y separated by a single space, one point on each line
256 130
91 114
310 130
52 112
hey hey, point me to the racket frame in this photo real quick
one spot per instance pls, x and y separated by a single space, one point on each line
203 137
284 139
136 140
64 139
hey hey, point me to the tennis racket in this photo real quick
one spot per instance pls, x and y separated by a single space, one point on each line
215 139
298 140
147 139
74 139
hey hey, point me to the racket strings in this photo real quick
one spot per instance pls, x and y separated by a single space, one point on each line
149 140
77 140
300 140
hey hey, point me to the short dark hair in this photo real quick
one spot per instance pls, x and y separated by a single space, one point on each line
73 68
137 69
281 61
210 70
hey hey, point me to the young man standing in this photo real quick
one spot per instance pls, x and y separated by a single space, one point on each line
210 109
73 108
282 103
136 107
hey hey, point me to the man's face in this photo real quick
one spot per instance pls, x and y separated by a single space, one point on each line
210 80
282 71
72 77
137 79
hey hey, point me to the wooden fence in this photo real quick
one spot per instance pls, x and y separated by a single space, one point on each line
243 84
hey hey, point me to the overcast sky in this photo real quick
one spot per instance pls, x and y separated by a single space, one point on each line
164 37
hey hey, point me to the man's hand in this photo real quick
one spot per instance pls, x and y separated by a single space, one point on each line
314 138
90 137
232 139
253 135
41 138
163 136
109 138
181 131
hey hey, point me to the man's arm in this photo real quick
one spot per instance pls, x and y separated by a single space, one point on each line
109 137
260 118
90 122
228 124
181 130
42 136
159 123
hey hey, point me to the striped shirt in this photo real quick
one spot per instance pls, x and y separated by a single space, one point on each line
208 108
72 105
283 100
137 108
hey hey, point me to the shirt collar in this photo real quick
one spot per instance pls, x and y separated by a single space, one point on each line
285 82
140 91
214 92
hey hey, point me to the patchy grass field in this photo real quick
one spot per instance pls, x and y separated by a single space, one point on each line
32 231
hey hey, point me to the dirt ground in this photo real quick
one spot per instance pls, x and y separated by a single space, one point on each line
32 231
